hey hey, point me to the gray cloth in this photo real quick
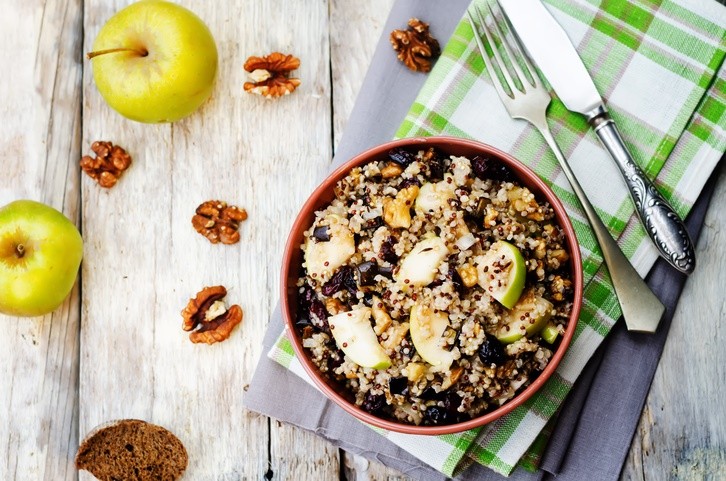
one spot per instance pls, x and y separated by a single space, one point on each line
589 442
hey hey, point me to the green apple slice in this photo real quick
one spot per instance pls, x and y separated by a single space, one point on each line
426 327
419 267
502 271
550 333
354 335
529 316
434 197
323 258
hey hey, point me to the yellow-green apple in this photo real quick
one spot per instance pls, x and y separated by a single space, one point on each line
40 251
154 61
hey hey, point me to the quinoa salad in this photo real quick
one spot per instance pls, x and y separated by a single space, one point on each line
433 288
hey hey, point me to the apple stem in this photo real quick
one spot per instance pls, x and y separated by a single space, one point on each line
142 52
20 251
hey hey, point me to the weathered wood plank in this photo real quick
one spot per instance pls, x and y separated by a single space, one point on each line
682 432
145 260
39 151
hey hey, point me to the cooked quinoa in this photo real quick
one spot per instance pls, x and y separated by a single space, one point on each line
405 206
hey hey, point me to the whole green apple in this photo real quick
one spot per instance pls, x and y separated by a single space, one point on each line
40 251
154 61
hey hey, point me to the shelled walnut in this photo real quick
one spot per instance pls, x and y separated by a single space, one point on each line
108 165
415 46
270 75
219 222
207 312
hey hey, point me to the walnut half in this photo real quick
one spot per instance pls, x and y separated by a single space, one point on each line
270 75
108 165
206 311
219 222
415 46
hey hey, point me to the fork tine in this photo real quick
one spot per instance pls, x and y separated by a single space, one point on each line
503 94
509 48
495 51
524 55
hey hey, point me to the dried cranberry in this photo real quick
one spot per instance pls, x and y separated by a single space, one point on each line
312 310
367 271
430 394
452 401
344 278
398 385
487 168
492 352
388 251
373 403
401 157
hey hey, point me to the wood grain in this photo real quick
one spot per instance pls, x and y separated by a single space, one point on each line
118 351
39 151
682 432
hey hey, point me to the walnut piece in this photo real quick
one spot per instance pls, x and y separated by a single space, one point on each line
110 162
219 222
270 75
415 46
211 328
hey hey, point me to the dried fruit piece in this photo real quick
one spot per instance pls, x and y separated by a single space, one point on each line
270 75
207 312
110 162
415 46
219 222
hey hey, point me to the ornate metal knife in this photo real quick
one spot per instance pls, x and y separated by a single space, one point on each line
550 49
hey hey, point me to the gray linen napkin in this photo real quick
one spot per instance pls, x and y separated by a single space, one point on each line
616 380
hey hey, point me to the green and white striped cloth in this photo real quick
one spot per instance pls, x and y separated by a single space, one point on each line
659 65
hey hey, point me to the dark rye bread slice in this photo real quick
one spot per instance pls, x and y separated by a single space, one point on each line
132 450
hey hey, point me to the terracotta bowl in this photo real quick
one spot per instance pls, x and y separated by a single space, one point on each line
323 195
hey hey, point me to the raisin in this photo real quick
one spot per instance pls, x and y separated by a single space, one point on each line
402 157
398 385
437 167
492 352
430 394
373 403
487 168
453 274
386 271
367 271
322 233
388 251
436 415
343 279
408 183
312 310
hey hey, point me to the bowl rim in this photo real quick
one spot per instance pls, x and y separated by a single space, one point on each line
293 244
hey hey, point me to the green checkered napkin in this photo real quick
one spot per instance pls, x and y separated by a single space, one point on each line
659 65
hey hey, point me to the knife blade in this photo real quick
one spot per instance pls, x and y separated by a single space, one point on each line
550 49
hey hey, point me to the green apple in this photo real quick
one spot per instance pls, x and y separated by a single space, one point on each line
501 272
529 316
154 61
550 333
40 251
354 335
419 267
427 327
322 258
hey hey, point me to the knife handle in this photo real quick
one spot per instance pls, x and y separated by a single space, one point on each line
663 225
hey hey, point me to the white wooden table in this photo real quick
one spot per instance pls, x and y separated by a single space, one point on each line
115 348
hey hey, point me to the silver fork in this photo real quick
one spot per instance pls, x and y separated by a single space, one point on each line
641 308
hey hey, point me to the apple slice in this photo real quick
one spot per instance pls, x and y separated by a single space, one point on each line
354 335
502 271
529 316
434 197
427 326
550 333
322 258
419 267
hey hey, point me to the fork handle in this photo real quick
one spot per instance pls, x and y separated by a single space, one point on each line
665 228
642 310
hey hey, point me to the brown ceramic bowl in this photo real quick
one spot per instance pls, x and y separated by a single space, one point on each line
323 195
